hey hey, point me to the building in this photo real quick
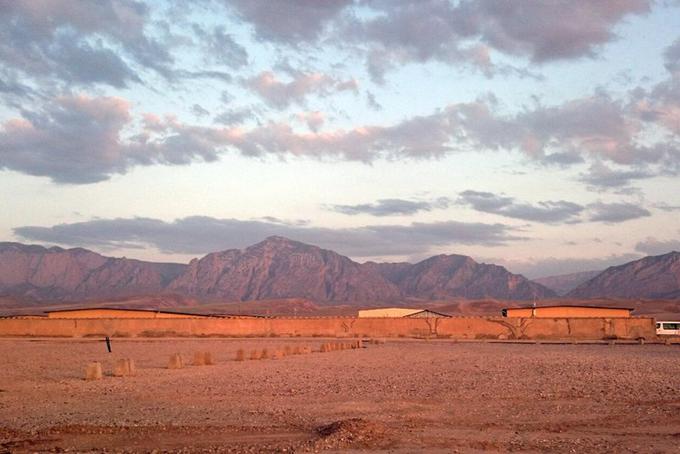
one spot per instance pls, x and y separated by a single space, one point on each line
567 312
106 312
400 312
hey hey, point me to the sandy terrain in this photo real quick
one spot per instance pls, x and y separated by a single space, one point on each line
402 396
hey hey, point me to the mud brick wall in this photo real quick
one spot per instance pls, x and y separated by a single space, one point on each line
455 327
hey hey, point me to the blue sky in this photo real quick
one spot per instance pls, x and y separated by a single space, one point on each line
542 136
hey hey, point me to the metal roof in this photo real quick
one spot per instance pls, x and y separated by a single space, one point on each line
76 309
569 305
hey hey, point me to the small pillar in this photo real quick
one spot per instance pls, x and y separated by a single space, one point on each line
199 359
240 355
255 354
93 371
208 359
132 369
122 368
176 362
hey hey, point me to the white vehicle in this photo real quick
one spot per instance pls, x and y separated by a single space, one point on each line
668 328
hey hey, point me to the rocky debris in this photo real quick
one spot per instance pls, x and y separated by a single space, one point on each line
357 433
655 277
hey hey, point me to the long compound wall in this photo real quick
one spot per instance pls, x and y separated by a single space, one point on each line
456 327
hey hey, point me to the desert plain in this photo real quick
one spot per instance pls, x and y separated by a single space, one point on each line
399 396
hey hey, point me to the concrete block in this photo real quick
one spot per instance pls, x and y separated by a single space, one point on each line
203 359
93 371
255 354
125 368
199 359
176 362
278 354
264 354
240 355
132 368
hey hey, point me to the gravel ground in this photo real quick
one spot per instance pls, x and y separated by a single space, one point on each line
401 396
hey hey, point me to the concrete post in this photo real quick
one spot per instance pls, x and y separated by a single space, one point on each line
176 362
93 371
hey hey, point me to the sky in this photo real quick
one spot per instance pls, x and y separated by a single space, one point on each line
543 136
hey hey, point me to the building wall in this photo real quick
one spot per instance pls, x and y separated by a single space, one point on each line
112 313
455 327
568 311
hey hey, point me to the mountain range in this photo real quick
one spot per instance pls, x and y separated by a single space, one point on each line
562 284
656 277
279 268
274 268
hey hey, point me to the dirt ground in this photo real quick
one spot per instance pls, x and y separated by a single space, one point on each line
402 396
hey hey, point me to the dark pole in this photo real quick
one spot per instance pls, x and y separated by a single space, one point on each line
108 344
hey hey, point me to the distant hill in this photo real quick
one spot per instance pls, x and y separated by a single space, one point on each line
55 273
564 283
447 276
276 268
281 268
649 277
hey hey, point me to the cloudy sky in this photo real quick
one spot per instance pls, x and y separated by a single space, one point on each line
541 135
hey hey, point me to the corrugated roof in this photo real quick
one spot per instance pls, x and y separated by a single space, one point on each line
76 309
569 305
